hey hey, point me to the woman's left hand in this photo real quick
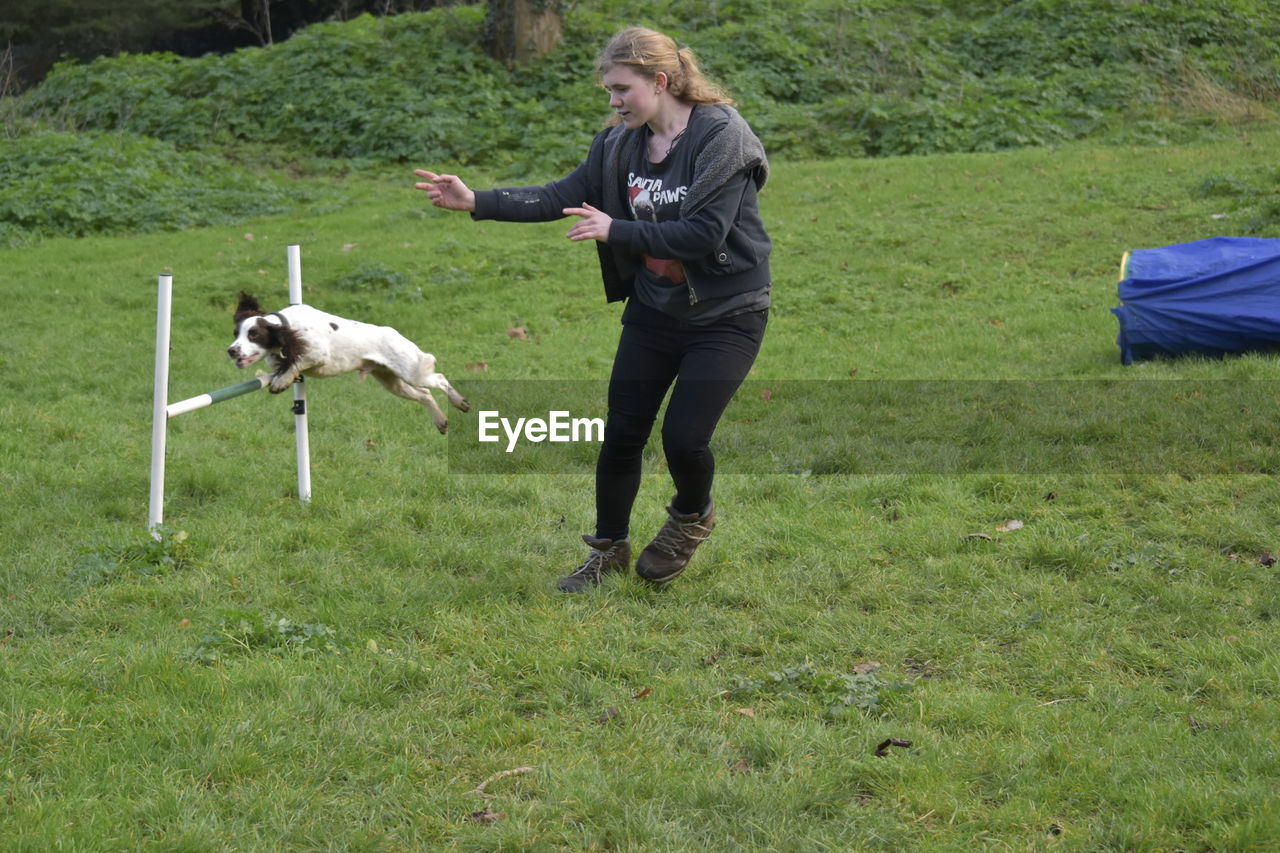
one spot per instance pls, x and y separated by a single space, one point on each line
594 224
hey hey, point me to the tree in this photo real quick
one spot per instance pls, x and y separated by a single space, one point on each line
519 30
38 32
254 16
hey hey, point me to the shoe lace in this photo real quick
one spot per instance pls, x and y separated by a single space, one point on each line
674 533
592 566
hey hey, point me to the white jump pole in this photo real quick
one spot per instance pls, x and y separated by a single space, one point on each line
162 410
160 401
201 400
299 388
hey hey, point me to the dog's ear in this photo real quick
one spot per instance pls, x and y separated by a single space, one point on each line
247 307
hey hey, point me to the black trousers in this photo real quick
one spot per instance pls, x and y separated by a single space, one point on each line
707 363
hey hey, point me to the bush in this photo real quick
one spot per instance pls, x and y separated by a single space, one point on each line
66 184
818 77
389 89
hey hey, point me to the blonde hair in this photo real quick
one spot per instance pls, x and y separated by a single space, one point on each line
648 53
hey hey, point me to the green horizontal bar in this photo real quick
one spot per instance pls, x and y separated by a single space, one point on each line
236 390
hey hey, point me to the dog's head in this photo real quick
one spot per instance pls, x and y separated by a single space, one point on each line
256 334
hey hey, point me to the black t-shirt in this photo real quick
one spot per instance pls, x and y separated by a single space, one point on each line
656 191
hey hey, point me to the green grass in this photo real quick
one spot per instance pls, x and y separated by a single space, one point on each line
1104 678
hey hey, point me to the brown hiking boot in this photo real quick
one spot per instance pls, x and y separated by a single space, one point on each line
606 556
669 552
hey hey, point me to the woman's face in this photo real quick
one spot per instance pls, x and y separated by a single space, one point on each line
632 96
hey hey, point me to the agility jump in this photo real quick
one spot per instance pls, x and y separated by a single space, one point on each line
163 410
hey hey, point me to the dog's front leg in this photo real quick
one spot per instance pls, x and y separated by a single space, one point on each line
282 379
286 373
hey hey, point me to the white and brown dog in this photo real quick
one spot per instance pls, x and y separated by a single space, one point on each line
302 340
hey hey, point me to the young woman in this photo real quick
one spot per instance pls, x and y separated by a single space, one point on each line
668 194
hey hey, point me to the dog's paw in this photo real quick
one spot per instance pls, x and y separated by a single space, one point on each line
279 384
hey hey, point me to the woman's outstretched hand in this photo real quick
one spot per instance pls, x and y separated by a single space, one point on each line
594 224
446 191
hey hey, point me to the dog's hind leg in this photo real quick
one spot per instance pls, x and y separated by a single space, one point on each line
437 381
400 388
426 377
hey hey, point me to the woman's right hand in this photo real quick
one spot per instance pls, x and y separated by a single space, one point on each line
446 191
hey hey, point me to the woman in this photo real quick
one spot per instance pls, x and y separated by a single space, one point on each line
668 194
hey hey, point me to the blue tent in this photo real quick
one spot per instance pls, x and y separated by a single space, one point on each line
1214 297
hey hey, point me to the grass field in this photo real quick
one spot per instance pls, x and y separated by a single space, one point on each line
360 673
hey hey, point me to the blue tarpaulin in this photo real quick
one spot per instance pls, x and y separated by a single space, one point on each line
1214 297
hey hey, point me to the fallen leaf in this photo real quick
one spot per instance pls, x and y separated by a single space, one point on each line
643 693
740 766
711 661
1267 559
1051 496
864 668
185 623
853 372
883 749
478 367
372 645
347 247
978 536
607 715
249 237
519 333
746 712
485 816
1009 526
766 395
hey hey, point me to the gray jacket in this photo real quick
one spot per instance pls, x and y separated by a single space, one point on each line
724 247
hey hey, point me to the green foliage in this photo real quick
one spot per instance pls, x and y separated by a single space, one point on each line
412 86
76 184
244 632
165 552
837 692
817 78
